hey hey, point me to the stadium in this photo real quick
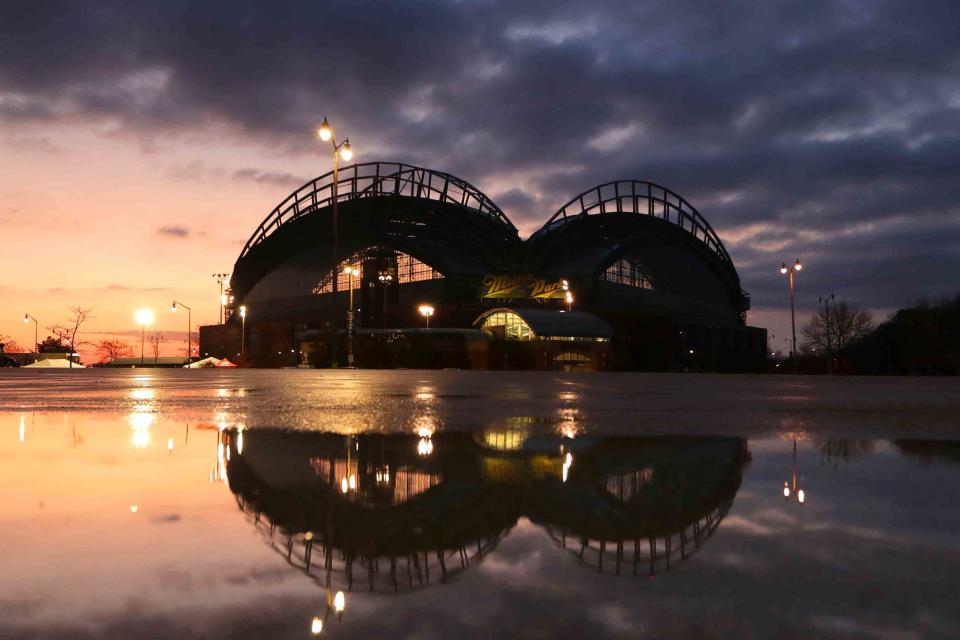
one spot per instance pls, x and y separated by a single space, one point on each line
626 275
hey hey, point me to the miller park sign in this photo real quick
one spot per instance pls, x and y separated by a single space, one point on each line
521 286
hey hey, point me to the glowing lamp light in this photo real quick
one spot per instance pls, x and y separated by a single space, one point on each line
801 496
426 310
344 486
325 132
243 311
353 481
783 268
26 318
346 151
169 444
339 602
797 266
316 626
568 297
786 491
134 508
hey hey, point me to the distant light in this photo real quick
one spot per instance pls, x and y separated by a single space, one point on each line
169 444
144 317
173 307
134 508
783 268
353 481
344 487
316 626
26 318
346 151
339 602
801 496
426 310
223 298
798 266
243 311
691 351
786 491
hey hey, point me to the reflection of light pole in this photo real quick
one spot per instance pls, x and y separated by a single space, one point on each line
223 299
426 311
243 328
143 317
36 331
790 488
173 308
351 271
784 269
325 133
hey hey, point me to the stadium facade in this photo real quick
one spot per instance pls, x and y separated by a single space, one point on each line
626 275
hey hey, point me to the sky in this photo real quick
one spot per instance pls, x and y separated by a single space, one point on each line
141 143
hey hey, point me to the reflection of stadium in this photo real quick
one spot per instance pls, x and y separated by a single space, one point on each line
386 513
650 283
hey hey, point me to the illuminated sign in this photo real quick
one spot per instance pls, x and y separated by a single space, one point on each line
523 286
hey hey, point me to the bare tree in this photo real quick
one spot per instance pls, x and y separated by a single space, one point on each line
68 332
155 341
834 327
113 349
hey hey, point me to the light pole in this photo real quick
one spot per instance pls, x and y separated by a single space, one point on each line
351 272
325 133
784 269
143 318
220 277
426 311
243 329
36 330
567 294
173 308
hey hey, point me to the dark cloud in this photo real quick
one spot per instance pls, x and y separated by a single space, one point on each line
824 129
284 180
174 231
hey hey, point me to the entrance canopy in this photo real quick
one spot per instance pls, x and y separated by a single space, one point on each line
543 324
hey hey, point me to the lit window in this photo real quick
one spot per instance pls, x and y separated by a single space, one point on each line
508 325
408 269
628 272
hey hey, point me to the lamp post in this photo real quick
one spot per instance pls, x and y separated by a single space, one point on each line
567 294
426 311
325 133
173 308
351 272
143 317
220 277
784 269
36 330
243 329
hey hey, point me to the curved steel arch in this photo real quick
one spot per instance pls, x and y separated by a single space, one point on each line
377 179
625 196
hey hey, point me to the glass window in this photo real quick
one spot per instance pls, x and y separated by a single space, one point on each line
512 326
409 269
630 272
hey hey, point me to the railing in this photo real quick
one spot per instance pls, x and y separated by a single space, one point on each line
645 198
371 180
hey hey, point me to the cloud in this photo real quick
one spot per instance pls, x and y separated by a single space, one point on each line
826 122
279 179
174 231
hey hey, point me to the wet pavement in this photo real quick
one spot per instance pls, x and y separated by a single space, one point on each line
410 504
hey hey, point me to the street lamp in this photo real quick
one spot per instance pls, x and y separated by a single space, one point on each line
36 330
426 311
143 317
221 277
785 270
567 295
325 133
173 308
351 272
243 328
